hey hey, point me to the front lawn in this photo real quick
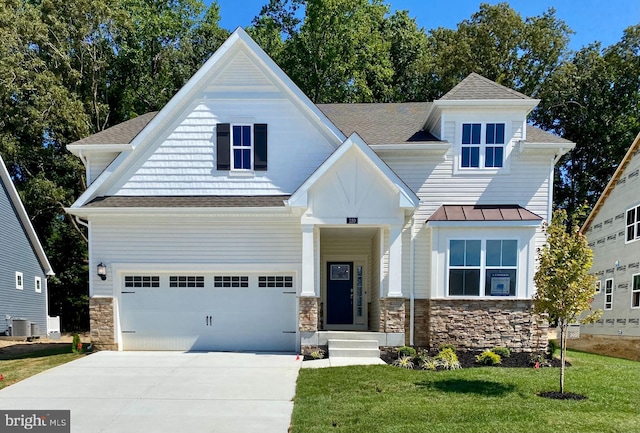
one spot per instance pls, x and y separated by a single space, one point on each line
488 399
22 366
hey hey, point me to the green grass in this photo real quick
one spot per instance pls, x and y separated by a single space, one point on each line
20 367
488 399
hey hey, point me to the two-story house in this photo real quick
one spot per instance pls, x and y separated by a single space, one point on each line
24 267
613 232
244 217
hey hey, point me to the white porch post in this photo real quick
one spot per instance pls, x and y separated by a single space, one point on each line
308 262
395 261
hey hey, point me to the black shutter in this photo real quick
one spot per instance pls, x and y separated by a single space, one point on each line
223 146
260 147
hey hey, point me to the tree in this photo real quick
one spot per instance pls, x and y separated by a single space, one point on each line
565 289
593 99
499 45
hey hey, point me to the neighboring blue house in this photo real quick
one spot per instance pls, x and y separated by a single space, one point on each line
23 265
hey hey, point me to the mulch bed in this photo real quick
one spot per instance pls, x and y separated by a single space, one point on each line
562 395
468 359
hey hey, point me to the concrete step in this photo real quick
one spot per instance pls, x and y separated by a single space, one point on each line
352 344
341 348
340 352
325 336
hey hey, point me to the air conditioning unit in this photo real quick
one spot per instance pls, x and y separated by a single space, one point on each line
21 328
35 330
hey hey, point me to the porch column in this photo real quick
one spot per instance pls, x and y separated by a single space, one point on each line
308 262
395 261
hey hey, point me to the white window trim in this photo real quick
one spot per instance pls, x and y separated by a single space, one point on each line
634 291
606 294
636 223
243 171
38 284
505 169
19 281
483 268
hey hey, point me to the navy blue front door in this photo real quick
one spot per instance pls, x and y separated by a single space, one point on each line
340 293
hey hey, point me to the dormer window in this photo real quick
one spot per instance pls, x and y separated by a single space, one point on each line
476 152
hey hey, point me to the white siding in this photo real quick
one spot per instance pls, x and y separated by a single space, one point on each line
422 261
184 162
189 241
97 163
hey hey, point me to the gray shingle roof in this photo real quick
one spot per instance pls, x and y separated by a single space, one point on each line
391 123
537 135
122 133
497 212
475 86
187 201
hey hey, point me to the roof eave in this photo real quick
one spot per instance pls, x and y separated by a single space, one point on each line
88 212
80 149
497 224
529 104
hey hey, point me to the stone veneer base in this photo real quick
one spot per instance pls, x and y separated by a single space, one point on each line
101 322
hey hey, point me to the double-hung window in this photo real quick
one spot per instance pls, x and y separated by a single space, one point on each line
633 224
635 291
608 294
477 152
483 267
241 147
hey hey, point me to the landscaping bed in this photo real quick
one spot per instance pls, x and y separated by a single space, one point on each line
467 359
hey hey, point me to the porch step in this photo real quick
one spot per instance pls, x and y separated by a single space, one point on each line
353 348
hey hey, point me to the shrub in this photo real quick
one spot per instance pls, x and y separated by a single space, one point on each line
317 354
504 352
488 358
76 345
404 362
448 359
448 346
551 350
429 363
406 351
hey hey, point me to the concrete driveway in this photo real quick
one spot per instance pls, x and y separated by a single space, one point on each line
165 392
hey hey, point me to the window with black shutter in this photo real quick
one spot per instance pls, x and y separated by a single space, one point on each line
241 148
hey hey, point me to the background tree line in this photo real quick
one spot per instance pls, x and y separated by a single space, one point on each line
70 69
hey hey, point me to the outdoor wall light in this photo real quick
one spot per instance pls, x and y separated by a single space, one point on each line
102 271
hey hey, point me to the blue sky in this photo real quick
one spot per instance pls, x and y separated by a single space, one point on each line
592 20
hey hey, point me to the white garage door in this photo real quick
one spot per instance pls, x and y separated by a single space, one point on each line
208 312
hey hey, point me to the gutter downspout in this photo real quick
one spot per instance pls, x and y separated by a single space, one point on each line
554 161
88 226
412 284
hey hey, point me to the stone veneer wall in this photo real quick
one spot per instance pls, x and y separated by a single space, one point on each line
421 325
101 322
308 314
484 324
392 318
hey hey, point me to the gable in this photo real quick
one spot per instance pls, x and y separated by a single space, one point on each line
16 229
175 153
628 171
354 182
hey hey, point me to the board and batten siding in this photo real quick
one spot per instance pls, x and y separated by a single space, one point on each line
193 241
17 255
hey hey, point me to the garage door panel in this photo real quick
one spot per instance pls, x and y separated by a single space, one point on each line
206 318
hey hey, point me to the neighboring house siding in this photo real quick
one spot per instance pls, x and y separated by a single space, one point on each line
17 255
613 258
193 241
